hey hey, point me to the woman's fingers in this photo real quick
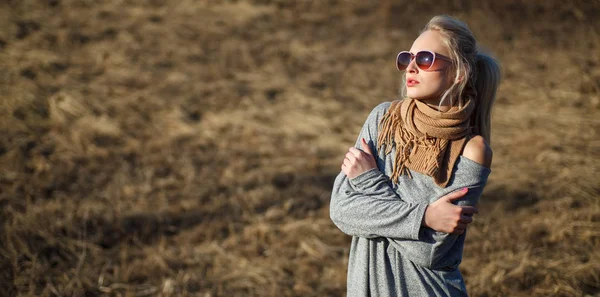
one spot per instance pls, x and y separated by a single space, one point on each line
469 210
355 152
465 219
455 195
458 231
366 148
347 162
350 156
357 162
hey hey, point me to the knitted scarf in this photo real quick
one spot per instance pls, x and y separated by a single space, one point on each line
426 140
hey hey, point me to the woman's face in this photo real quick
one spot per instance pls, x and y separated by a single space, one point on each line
428 85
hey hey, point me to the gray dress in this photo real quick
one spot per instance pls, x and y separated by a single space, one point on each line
391 253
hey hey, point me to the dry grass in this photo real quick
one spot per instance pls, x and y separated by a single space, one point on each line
188 148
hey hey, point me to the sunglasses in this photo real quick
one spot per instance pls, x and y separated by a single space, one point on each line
424 59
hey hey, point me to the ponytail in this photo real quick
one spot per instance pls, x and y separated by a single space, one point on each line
487 79
482 71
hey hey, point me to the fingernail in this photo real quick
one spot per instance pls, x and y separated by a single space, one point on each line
465 189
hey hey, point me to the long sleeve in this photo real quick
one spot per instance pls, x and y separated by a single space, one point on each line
391 253
435 249
367 206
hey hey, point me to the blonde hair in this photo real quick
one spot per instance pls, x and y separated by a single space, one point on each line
481 70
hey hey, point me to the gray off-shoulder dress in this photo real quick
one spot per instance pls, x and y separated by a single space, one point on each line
391 253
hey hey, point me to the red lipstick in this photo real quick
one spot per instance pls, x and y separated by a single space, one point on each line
411 82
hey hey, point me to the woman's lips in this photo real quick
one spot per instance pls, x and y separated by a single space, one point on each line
411 82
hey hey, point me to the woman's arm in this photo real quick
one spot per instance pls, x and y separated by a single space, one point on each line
436 249
366 205
362 209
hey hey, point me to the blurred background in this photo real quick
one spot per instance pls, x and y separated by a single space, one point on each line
188 148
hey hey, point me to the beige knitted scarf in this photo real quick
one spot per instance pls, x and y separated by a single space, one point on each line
426 140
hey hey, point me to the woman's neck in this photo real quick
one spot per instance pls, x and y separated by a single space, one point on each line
435 104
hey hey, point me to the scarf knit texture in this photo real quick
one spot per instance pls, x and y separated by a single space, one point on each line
426 140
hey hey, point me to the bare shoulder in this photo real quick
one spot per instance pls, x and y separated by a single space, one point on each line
479 151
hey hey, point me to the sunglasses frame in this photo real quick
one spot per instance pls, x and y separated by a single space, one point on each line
414 56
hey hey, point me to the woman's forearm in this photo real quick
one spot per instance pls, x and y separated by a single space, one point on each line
432 247
366 206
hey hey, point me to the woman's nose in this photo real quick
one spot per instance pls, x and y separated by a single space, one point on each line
412 66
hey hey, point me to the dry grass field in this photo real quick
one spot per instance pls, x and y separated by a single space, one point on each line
188 148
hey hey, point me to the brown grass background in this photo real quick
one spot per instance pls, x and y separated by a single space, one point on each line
188 148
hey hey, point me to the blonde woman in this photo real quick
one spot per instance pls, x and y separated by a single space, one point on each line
408 189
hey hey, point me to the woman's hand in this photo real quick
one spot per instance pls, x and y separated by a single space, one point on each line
357 161
443 216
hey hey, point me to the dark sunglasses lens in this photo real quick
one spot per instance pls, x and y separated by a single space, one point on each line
403 61
424 59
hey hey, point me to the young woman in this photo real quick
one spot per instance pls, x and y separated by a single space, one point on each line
408 189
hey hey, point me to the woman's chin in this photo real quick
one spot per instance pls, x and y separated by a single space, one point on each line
416 97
